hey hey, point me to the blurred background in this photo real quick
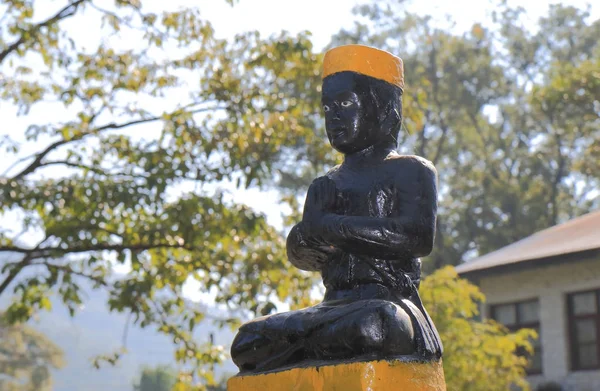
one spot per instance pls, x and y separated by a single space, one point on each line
154 155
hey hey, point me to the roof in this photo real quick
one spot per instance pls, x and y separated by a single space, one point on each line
574 236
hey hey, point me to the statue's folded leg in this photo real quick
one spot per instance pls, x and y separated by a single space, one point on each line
329 331
365 327
257 352
274 341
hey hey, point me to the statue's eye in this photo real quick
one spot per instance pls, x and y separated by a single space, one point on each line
325 108
346 103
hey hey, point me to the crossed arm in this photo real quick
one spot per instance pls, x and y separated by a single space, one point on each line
406 234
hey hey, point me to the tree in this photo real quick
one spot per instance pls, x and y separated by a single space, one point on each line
26 358
508 116
157 379
164 378
136 142
478 355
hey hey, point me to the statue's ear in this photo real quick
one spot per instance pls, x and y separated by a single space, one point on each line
391 118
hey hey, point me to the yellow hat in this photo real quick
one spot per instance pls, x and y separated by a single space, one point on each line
365 60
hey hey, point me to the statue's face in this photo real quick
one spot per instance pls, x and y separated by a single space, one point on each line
350 114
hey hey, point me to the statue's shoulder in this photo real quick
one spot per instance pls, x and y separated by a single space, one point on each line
412 162
333 170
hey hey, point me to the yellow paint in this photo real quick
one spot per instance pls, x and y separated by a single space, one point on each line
358 376
366 61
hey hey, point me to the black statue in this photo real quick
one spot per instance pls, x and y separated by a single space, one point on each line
365 225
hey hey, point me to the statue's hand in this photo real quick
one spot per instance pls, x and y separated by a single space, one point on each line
316 243
320 200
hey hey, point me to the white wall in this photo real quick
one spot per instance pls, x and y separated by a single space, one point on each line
550 285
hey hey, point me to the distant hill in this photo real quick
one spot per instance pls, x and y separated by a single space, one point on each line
95 331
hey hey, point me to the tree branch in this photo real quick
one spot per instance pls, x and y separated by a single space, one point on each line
478 131
37 162
74 165
558 177
36 253
441 142
19 266
39 157
96 170
26 261
53 251
435 87
68 269
64 13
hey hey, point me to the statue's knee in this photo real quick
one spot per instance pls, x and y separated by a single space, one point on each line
370 333
397 328
379 322
385 327
393 317
244 348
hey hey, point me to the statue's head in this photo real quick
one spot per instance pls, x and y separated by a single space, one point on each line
362 97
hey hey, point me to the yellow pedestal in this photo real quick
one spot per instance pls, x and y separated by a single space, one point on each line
390 375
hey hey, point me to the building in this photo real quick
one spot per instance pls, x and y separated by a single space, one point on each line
550 281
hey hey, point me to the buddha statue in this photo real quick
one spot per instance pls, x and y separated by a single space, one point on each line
365 225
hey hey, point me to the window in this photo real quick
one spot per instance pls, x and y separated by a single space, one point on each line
522 315
584 323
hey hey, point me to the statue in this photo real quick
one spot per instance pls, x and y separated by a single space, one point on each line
364 227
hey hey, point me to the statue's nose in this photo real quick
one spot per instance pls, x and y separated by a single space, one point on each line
336 113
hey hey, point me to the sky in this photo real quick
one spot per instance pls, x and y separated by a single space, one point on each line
324 18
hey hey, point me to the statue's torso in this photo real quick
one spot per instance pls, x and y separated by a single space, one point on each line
376 191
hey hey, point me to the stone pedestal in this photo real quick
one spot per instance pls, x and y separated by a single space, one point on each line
393 375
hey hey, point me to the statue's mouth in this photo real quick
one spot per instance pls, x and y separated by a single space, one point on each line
337 132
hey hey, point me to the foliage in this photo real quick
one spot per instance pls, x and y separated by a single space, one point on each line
137 142
164 378
26 358
507 112
156 379
475 351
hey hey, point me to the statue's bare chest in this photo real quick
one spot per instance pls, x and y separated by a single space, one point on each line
377 192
